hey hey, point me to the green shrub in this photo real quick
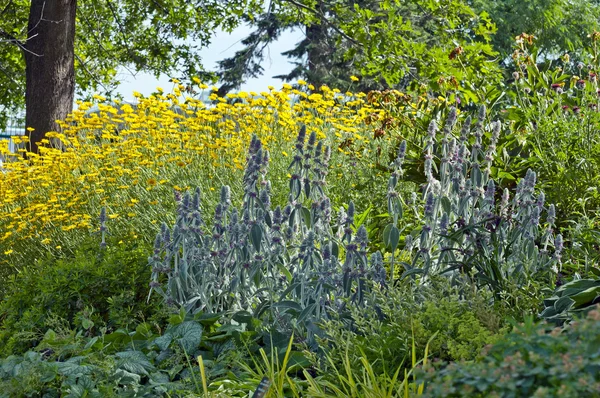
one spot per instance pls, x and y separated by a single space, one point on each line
554 116
382 333
93 289
532 361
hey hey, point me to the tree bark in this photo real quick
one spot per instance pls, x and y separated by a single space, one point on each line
49 66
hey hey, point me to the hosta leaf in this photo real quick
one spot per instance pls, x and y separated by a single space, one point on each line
124 377
563 304
586 297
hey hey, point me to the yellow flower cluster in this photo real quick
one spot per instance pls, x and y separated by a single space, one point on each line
126 158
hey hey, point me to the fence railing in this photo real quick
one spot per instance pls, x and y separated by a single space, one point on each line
15 127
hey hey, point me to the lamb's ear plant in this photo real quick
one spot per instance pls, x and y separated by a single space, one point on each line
466 232
286 266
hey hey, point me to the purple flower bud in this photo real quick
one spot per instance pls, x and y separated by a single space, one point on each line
327 251
350 217
540 200
432 129
444 223
301 138
466 129
496 131
535 216
265 198
481 114
361 237
186 200
530 179
277 216
157 243
451 119
427 168
558 243
429 203
401 152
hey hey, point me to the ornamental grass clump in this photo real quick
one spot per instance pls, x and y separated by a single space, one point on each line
466 231
286 266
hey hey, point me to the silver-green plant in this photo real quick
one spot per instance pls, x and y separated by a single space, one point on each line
285 265
466 231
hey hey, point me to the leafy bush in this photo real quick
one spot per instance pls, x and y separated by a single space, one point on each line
96 288
554 115
531 362
383 331
137 363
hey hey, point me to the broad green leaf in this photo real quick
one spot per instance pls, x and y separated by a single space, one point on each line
190 335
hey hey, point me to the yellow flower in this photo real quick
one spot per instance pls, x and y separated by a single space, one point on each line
301 83
8 252
354 78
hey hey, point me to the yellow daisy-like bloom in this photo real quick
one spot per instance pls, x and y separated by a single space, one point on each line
129 158
354 78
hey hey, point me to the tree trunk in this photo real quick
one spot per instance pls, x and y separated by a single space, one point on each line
49 66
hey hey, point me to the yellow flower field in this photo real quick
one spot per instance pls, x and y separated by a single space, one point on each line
130 159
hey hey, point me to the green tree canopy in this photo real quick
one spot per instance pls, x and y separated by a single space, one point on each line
159 36
558 25
388 43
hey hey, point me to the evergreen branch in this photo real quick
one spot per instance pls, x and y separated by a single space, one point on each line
323 18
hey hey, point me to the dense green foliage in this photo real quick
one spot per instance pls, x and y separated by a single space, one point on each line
312 276
532 361
93 290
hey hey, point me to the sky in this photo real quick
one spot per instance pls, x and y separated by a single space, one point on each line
223 45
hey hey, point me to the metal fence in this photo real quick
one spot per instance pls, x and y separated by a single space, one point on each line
15 126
